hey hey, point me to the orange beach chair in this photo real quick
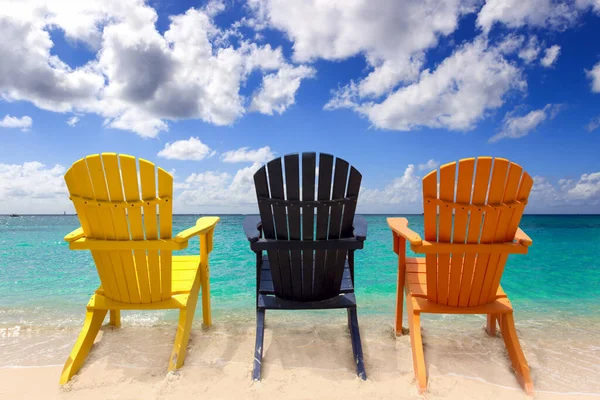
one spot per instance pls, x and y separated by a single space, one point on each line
471 226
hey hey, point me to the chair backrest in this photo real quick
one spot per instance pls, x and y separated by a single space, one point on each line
481 202
113 205
287 212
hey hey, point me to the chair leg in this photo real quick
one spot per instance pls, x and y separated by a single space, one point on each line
399 301
115 318
519 363
416 342
356 343
91 326
184 327
206 310
491 325
258 349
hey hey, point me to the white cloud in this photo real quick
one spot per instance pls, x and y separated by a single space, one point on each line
278 90
518 126
550 56
586 188
584 4
140 78
327 29
244 154
392 40
24 122
554 14
473 80
530 52
32 187
594 76
402 194
209 180
511 43
73 121
581 195
215 192
429 165
191 149
593 124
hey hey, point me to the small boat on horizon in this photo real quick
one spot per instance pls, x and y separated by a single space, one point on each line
13 215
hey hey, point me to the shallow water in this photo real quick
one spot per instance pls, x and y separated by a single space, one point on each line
555 291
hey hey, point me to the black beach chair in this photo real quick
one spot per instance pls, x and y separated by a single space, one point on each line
300 264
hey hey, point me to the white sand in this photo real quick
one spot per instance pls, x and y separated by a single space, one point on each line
301 361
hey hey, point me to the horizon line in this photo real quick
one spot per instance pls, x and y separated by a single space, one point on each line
241 214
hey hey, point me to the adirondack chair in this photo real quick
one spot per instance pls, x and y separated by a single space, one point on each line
129 236
306 265
470 229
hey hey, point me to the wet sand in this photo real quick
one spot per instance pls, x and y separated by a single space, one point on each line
303 359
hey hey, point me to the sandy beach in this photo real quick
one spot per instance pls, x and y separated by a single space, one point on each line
302 360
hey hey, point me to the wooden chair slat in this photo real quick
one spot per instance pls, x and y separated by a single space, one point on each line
447 182
323 193
292 186
308 221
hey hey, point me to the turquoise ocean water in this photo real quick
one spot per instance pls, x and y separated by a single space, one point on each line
555 289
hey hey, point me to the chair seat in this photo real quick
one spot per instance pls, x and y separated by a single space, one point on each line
417 281
266 280
183 274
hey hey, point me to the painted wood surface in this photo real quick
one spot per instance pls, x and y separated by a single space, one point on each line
471 218
309 231
126 223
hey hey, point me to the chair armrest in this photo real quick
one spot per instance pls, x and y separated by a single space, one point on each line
252 226
359 226
76 234
203 226
522 238
400 227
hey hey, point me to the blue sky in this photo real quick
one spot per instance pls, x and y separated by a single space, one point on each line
211 90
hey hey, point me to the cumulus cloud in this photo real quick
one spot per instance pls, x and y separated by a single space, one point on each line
24 122
393 40
325 29
554 14
73 121
580 195
402 194
530 52
214 191
519 126
594 76
550 56
586 188
140 78
456 95
429 165
33 187
511 43
278 90
245 154
593 4
191 149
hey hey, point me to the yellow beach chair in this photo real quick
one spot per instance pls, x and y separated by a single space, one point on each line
126 225
471 226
